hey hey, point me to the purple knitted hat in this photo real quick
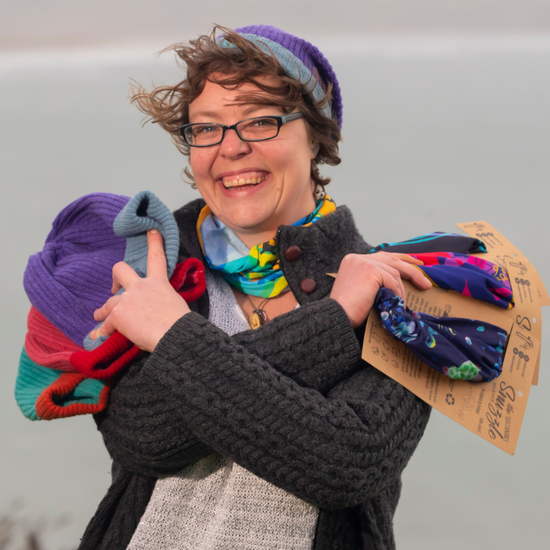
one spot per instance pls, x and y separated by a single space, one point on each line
292 48
72 275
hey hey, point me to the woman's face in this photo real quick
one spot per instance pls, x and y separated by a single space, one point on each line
281 165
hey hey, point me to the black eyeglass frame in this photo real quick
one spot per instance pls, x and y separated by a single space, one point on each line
281 119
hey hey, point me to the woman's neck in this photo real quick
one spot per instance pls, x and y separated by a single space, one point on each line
256 235
254 238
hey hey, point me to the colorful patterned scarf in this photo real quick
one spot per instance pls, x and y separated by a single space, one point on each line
434 242
470 275
256 271
462 349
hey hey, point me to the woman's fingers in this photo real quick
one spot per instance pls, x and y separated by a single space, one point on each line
412 273
148 307
419 279
106 329
360 277
123 277
103 314
105 310
156 258
390 277
407 258
407 266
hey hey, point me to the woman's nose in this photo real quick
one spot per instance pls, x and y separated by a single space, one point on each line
232 146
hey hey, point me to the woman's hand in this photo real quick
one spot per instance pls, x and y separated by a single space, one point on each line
148 307
361 276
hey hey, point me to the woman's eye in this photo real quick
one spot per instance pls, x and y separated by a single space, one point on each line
204 129
264 122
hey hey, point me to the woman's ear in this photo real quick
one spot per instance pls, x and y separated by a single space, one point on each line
314 150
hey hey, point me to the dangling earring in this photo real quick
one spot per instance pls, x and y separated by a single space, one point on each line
319 192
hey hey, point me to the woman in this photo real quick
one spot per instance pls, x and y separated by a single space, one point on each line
279 437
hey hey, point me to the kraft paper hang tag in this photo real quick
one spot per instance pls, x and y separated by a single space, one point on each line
492 410
526 315
498 248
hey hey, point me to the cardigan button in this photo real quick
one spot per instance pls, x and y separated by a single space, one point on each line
293 253
308 285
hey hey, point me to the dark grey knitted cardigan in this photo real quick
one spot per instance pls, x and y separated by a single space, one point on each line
292 402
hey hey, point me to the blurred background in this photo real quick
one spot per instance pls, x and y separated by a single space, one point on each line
446 120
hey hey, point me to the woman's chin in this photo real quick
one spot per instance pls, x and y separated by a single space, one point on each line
251 222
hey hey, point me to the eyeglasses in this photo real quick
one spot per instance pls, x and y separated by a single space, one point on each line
261 128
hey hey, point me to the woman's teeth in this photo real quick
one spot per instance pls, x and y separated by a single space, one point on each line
240 182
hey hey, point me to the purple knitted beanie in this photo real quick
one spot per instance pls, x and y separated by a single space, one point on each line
72 275
307 53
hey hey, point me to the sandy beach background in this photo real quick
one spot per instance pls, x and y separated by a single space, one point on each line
446 120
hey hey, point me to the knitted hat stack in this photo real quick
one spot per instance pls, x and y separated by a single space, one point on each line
62 372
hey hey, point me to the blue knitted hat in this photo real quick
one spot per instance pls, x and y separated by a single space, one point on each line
300 60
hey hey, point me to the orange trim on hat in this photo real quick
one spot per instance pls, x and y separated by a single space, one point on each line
47 409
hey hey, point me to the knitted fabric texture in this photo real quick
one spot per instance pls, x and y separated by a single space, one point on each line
47 395
67 390
46 345
300 60
215 503
44 394
290 402
143 213
72 275
117 352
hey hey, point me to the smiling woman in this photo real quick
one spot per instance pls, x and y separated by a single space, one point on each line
278 437
283 192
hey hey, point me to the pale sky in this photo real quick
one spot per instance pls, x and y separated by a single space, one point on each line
60 23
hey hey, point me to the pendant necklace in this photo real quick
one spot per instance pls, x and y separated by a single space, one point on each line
259 316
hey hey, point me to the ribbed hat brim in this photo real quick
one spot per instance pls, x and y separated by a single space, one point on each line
43 393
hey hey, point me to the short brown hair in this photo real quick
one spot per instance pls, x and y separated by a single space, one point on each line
168 106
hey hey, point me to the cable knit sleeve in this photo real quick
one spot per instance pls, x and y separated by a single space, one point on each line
314 346
334 451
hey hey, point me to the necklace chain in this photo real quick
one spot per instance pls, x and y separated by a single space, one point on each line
259 316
